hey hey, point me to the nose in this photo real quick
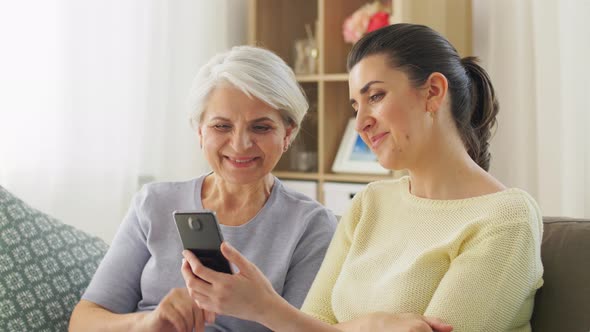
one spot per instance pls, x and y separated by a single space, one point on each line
364 121
241 140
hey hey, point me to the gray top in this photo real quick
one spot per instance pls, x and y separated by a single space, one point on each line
287 240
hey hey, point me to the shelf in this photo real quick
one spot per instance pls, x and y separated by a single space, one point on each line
342 77
335 77
296 175
344 177
308 78
356 178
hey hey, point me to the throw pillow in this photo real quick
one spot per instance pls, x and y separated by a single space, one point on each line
45 266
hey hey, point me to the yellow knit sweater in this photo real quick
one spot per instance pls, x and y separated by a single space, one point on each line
473 262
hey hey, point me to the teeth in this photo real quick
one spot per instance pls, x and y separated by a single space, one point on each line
243 161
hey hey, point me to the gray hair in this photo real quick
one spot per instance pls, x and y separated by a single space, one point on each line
258 73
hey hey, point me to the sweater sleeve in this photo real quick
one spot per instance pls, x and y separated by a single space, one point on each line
494 276
116 283
318 302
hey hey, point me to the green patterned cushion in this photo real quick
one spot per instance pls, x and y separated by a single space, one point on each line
45 266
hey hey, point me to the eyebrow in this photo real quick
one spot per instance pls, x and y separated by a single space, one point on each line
365 88
261 119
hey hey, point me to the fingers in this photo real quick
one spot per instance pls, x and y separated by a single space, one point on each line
169 310
184 315
179 311
198 290
198 318
202 301
437 324
235 257
200 270
188 273
194 283
209 316
201 316
177 320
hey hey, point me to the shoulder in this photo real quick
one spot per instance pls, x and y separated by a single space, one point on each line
519 207
376 200
304 209
157 194
167 188
389 184
513 206
381 194
512 211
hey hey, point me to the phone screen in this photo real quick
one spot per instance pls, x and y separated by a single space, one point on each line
200 233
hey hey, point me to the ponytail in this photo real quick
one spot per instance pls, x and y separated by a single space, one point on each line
484 108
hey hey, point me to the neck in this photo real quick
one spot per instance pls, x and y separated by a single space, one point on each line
447 172
230 198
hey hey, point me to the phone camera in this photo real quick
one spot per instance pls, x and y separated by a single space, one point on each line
195 225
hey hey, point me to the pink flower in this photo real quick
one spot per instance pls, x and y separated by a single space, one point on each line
355 26
378 21
369 17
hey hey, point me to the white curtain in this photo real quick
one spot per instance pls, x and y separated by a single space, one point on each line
93 99
536 52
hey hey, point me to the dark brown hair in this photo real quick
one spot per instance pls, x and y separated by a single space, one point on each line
420 51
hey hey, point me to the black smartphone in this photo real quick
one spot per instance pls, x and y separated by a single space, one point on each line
200 233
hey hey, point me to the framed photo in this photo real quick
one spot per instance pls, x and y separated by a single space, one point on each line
354 156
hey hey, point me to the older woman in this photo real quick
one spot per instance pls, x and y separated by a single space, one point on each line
448 241
248 109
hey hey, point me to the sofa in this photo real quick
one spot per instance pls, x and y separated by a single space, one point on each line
45 266
563 303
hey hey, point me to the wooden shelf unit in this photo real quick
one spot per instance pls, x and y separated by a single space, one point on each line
276 24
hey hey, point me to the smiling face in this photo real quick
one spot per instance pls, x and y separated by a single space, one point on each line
242 138
391 114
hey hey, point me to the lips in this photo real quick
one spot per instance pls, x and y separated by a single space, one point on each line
241 162
377 139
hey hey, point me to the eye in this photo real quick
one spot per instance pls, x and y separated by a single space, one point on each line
222 127
355 112
261 128
376 97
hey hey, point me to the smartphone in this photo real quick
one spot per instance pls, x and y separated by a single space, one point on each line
200 233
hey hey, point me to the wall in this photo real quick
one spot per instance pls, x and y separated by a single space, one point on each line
94 99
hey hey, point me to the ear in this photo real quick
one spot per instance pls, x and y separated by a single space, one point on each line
436 91
200 133
287 139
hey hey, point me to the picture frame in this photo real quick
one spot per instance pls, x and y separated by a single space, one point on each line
354 156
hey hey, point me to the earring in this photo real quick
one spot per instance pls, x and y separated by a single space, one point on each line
430 112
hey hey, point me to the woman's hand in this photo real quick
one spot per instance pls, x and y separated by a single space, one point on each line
381 321
176 312
246 294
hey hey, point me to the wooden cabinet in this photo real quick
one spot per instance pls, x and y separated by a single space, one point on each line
277 24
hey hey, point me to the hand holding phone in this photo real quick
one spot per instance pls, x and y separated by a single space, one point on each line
200 233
